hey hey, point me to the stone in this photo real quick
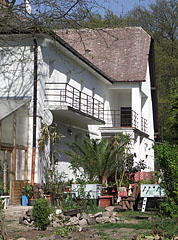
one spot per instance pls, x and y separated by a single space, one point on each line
29 212
108 214
149 237
26 222
118 219
73 221
112 220
91 220
21 238
79 228
114 214
83 216
85 229
78 215
102 219
110 208
83 223
99 214
55 224
20 220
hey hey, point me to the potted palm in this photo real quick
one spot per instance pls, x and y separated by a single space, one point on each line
98 158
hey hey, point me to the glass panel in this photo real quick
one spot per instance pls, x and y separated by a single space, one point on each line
7 130
22 126
20 165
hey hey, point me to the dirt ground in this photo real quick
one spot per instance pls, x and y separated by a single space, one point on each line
16 231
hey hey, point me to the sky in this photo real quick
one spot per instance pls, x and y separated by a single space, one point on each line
117 6
123 6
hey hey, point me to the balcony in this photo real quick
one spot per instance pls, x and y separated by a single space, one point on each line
63 94
124 118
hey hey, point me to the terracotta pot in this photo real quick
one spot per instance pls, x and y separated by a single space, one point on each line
105 201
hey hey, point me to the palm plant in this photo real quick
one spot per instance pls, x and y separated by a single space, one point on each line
98 158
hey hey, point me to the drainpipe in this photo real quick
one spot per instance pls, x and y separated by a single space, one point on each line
34 109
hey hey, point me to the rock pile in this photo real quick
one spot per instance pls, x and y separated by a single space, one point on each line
80 220
27 218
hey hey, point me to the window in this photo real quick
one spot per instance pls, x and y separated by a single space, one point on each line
126 117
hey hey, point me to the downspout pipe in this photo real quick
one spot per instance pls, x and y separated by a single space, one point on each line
34 109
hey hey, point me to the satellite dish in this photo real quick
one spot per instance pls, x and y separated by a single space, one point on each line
48 117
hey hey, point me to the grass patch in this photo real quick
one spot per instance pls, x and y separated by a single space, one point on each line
141 225
134 213
164 227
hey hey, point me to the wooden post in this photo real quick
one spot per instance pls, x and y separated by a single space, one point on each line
34 109
13 160
5 172
26 151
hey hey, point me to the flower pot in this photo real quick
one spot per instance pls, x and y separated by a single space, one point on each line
24 200
105 201
31 202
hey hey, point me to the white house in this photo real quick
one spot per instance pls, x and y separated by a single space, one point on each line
95 83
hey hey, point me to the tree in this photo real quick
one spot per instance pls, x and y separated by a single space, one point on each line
174 109
97 158
161 21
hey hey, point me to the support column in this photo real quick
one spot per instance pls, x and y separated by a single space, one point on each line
5 172
13 160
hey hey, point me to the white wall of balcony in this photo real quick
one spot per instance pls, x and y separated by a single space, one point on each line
147 111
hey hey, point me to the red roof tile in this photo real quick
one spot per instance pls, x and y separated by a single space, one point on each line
121 53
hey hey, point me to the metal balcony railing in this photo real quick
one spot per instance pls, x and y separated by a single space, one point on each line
144 125
124 118
118 118
65 94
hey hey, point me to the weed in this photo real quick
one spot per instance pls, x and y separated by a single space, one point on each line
64 231
164 227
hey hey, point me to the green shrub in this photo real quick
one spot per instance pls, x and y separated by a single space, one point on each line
167 158
41 212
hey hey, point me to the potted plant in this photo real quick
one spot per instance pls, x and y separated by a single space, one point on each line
27 191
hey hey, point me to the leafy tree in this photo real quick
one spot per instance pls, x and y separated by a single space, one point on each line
98 158
174 109
167 158
160 20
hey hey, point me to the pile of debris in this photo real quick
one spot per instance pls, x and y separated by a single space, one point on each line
79 220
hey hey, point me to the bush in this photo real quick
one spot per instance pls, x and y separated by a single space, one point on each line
167 158
41 212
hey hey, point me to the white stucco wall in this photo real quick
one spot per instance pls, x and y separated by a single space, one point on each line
57 66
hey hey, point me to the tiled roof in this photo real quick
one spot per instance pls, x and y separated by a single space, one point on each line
121 53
